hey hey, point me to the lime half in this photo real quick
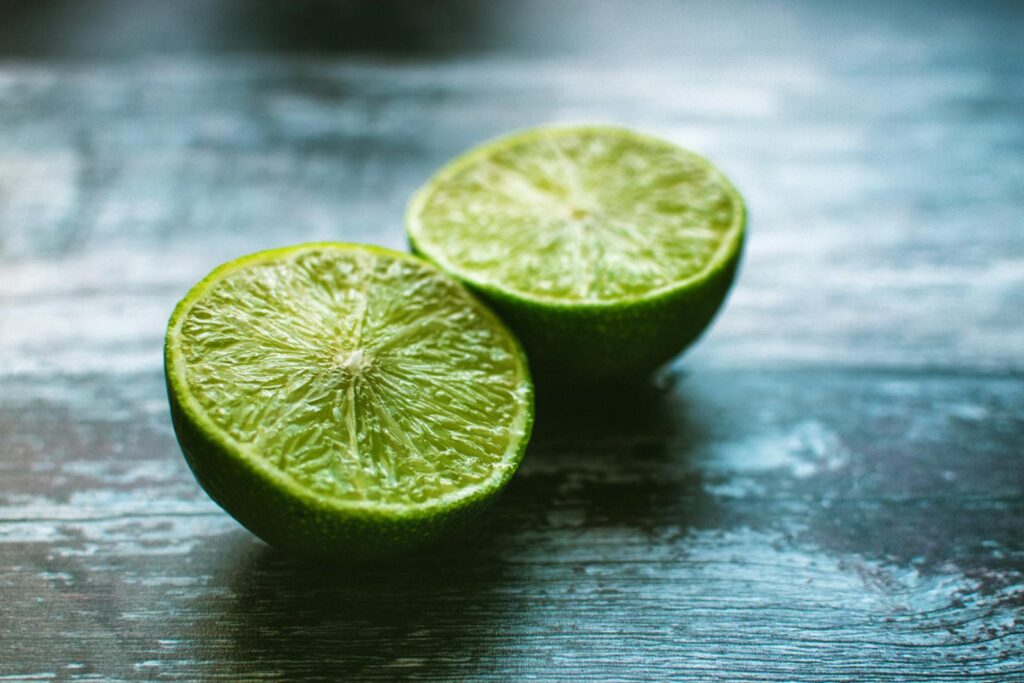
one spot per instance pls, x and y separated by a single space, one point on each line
606 250
343 400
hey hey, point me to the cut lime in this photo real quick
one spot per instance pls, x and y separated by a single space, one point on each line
607 251
343 400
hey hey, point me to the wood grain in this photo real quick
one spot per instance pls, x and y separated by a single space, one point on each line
830 487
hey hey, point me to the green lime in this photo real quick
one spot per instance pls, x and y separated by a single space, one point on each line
345 401
607 251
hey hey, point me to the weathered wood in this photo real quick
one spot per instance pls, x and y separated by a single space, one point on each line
830 487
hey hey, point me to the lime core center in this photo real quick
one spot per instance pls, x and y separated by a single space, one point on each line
353 362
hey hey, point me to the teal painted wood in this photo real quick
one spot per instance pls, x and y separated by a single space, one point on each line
829 487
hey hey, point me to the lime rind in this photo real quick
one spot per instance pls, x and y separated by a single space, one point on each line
720 259
197 427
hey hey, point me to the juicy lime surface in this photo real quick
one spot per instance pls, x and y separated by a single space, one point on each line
606 251
588 214
351 377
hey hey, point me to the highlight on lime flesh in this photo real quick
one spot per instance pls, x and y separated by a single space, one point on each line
607 251
345 400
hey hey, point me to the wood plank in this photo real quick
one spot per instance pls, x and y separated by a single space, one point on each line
738 524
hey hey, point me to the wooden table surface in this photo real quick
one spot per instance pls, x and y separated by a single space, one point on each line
829 487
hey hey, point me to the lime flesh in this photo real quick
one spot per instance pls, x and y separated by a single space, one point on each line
361 388
574 232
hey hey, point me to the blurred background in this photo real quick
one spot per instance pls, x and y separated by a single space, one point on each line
870 140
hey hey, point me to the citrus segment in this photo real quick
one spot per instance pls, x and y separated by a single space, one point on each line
351 379
558 221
